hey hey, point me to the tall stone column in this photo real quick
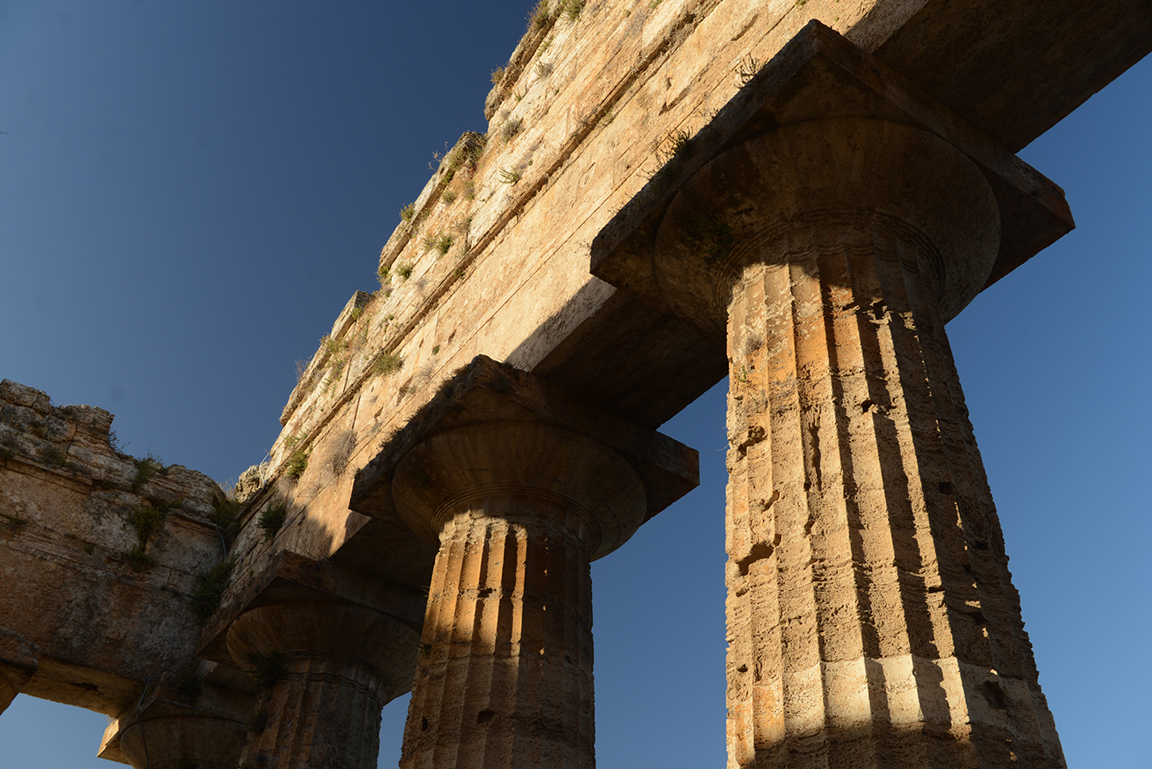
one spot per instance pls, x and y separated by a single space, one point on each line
325 670
872 620
505 674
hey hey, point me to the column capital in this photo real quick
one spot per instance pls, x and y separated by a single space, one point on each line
854 179
324 629
550 471
545 439
171 726
821 76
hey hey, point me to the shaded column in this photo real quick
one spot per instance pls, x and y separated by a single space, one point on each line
505 674
872 620
324 671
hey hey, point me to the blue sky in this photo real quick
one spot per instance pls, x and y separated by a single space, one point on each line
191 192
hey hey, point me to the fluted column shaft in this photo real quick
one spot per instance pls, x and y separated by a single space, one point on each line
322 712
325 671
872 620
505 678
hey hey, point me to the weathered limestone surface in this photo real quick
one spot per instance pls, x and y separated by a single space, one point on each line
71 586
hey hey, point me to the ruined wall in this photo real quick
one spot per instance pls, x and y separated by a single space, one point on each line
100 553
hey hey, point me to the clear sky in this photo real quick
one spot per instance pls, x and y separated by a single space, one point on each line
190 192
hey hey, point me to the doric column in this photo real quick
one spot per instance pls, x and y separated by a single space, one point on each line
872 620
324 670
505 675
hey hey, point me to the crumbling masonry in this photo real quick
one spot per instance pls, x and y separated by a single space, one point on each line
796 194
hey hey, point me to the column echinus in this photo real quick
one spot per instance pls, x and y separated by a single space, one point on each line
522 486
827 223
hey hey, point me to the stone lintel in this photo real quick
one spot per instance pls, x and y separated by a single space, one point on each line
819 74
294 577
19 659
485 391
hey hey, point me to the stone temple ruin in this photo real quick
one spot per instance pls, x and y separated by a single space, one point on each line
796 194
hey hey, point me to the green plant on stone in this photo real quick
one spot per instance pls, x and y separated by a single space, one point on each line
187 681
509 176
53 455
139 560
147 521
272 519
440 243
543 70
14 521
448 197
385 364
268 667
510 128
224 517
333 346
384 275
571 9
209 589
404 270
335 369
146 470
257 723
497 75
297 463
407 212
540 14
676 146
746 69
